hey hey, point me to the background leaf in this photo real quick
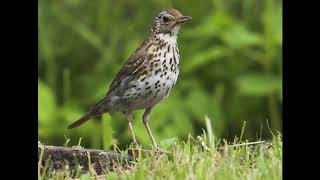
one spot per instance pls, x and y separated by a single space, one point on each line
259 85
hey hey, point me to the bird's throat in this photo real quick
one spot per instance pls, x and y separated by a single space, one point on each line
167 38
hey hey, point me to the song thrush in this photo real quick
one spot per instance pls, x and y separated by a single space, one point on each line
148 76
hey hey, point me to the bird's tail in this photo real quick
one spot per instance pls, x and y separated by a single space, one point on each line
80 121
96 110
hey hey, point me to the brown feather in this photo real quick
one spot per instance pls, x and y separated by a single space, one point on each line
132 67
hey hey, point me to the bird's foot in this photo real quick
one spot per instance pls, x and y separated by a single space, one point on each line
134 150
158 151
135 145
157 148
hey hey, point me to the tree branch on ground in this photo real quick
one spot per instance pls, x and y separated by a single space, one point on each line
55 158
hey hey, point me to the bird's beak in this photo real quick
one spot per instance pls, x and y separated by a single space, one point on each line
183 19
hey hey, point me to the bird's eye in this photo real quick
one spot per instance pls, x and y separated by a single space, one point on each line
165 19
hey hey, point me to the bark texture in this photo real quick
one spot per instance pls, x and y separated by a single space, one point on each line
58 158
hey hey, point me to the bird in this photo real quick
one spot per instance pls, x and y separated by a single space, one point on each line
147 77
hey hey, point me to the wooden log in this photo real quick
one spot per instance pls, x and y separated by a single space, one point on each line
55 158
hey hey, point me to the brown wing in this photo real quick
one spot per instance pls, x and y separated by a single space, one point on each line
131 68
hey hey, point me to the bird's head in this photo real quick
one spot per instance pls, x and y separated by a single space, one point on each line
168 21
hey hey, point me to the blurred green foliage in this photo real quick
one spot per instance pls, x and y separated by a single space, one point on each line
231 68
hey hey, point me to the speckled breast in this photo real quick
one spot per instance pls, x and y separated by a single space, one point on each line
156 81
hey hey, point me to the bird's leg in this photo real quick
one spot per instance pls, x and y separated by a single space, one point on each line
129 118
145 122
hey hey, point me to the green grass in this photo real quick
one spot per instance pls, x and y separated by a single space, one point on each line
200 158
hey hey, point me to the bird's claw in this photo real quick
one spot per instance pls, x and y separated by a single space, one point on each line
134 151
135 145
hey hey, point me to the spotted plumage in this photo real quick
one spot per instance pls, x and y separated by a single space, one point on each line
148 76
